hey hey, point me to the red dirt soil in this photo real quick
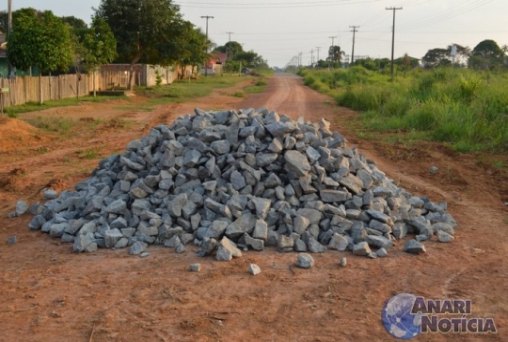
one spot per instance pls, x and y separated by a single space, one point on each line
50 294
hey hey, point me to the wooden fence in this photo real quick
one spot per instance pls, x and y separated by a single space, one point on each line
26 89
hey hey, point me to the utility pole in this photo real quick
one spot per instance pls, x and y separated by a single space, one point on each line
311 58
354 29
229 36
207 17
317 49
393 9
9 30
300 59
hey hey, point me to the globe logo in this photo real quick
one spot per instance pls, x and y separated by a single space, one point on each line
398 319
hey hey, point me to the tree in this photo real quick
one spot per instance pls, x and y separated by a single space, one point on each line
144 30
335 54
99 45
39 40
407 62
237 56
487 55
459 54
436 57
193 46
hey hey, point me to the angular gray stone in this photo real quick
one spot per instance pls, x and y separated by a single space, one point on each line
227 250
266 159
443 236
314 246
361 248
237 180
255 244
343 262
84 243
111 237
313 215
49 194
191 158
352 183
217 229
221 147
414 247
262 206
195 267
254 269
21 207
297 163
379 241
329 196
260 230
117 207
381 253
338 242
304 260
444 227
285 243
137 248
244 224
300 224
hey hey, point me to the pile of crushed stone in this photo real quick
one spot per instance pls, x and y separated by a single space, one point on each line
235 180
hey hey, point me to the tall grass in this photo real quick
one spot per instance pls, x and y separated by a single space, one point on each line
465 108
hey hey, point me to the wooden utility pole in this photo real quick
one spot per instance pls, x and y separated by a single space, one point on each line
393 9
207 17
354 29
229 36
9 30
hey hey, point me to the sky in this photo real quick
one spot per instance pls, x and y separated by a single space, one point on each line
278 30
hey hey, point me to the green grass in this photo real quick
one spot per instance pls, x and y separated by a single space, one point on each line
464 108
64 126
257 87
90 153
181 91
14 111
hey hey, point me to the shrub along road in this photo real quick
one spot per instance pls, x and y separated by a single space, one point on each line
50 293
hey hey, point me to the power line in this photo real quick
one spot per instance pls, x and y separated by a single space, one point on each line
354 29
393 9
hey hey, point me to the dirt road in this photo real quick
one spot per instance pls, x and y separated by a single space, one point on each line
47 293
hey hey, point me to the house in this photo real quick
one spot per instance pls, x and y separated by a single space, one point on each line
216 62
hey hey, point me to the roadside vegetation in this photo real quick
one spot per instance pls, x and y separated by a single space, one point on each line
465 108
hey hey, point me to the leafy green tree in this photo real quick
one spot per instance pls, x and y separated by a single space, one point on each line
407 62
99 45
190 46
39 39
462 54
335 54
78 26
487 55
237 56
436 57
144 30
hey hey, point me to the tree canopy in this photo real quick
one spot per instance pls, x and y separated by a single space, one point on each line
486 55
39 39
99 44
238 56
145 30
